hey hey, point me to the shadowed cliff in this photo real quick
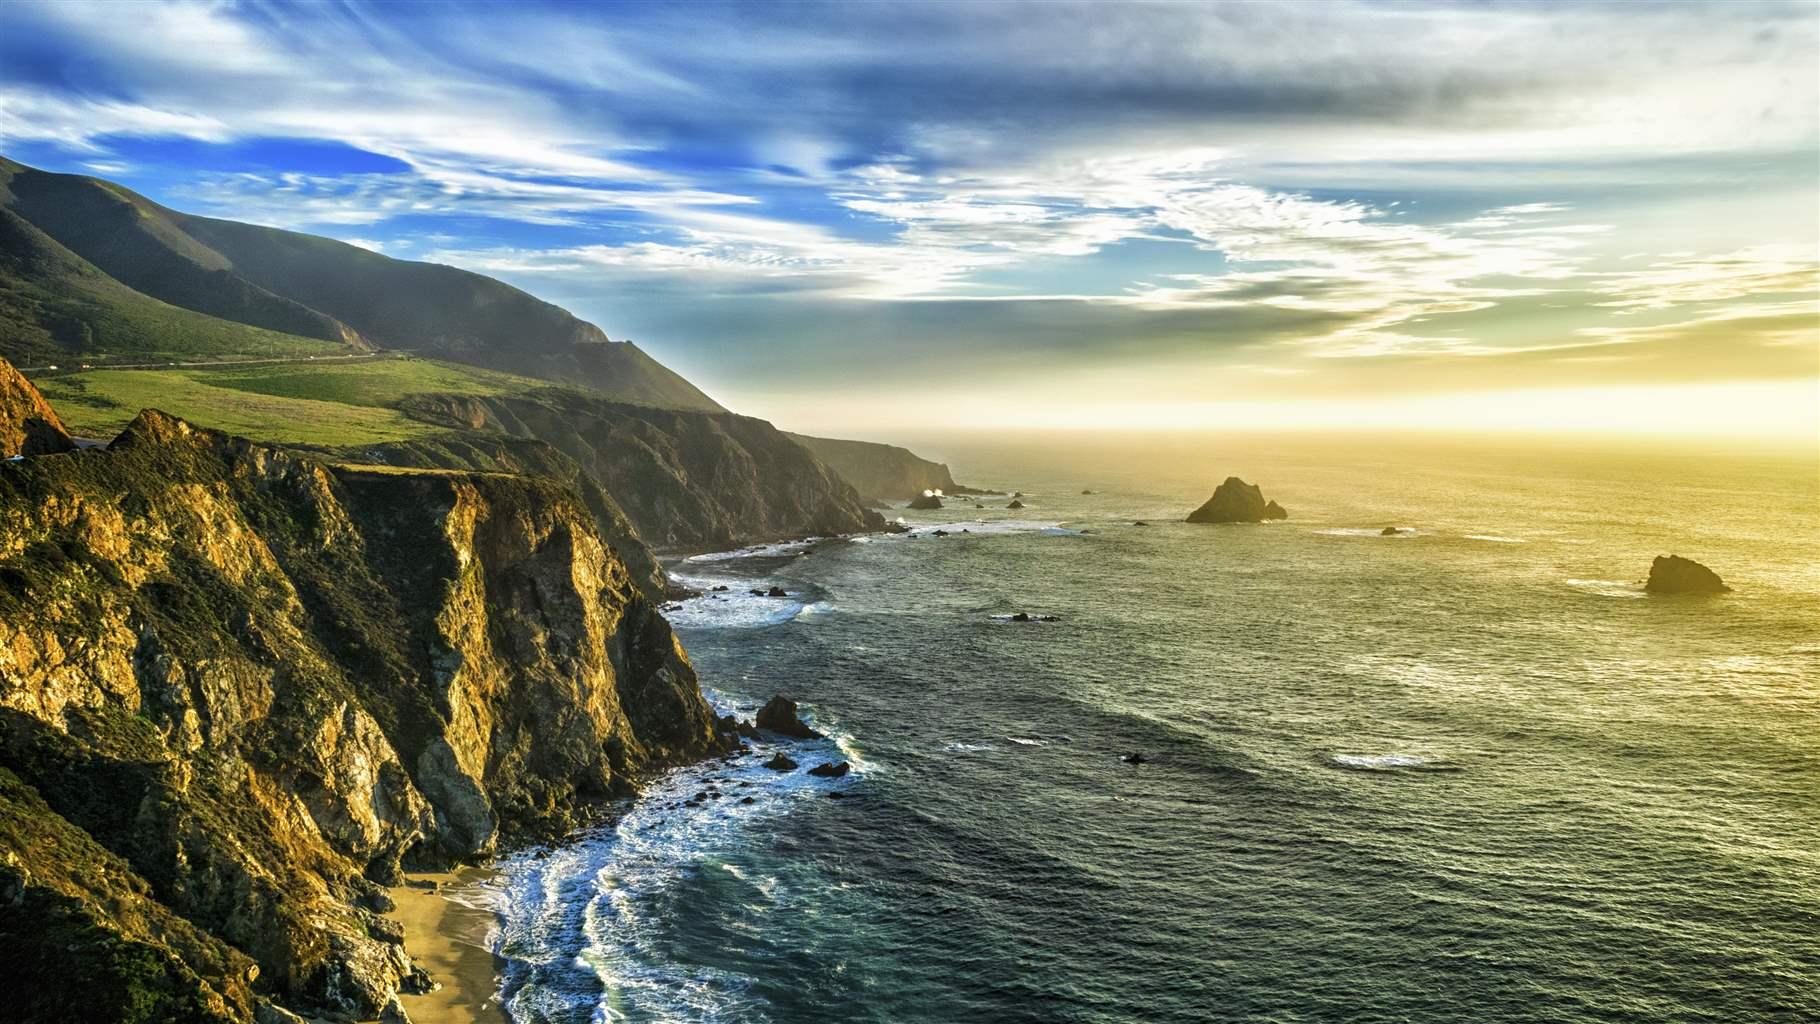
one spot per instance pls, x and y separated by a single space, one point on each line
686 480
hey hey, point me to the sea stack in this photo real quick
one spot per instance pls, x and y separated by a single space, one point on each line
1672 574
779 715
1236 501
926 501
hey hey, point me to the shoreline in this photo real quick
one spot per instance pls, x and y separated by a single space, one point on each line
451 940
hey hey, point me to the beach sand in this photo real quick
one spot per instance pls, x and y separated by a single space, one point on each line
448 938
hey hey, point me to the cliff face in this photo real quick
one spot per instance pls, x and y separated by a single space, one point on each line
495 453
685 479
239 686
28 424
884 473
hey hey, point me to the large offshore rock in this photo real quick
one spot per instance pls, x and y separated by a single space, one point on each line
1236 501
1672 574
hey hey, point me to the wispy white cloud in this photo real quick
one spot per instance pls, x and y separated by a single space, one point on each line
1343 181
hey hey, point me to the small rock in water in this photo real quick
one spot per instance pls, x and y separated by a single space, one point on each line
779 715
830 770
1015 504
1389 531
780 763
748 800
777 592
1140 522
836 794
1135 757
1672 574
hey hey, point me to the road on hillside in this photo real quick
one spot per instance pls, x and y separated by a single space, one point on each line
79 368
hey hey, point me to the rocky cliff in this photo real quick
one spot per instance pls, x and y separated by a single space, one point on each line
28 424
239 687
686 480
495 453
883 473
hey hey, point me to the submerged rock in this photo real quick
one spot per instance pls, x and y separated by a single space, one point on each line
779 716
830 770
1672 574
1236 501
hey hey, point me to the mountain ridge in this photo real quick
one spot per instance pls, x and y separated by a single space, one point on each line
84 261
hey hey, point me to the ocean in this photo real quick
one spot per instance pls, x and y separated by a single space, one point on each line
1470 772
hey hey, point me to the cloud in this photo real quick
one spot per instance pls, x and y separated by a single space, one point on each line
1310 194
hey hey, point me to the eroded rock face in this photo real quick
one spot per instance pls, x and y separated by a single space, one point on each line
251 685
28 424
1236 501
1672 574
688 480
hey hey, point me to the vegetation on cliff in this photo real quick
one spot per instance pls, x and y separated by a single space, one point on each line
90 270
28 424
240 686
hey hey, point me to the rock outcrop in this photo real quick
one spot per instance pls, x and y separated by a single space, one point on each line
1672 574
239 688
779 716
883 473
685 480
28 424
1236 501
925 502
498 453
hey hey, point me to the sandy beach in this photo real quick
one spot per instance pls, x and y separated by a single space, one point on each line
446 934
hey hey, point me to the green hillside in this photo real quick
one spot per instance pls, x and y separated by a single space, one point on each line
350 402
91 269
56 307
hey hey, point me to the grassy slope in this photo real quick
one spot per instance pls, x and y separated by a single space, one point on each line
139 244
347 403
56 307
294 285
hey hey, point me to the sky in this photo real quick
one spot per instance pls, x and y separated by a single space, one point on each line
866 217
